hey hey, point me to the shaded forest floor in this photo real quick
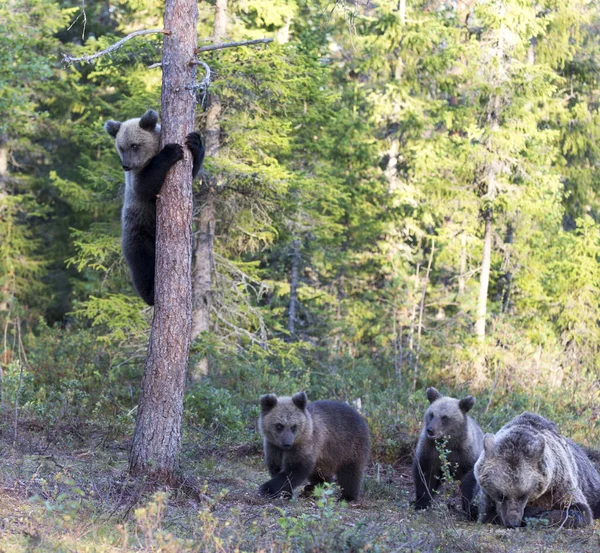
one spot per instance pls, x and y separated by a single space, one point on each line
68 491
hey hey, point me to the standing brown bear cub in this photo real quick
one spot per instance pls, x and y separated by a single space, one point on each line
446 419
312 441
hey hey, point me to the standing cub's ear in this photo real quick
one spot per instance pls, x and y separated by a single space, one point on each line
466 403
300 400
432 394
149 120
267 402
112 128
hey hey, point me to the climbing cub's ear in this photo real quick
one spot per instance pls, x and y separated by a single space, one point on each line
300 400
432 394
267 402
112 128
489 442
149 120
466 404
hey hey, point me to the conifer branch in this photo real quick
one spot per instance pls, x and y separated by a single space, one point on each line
223 45
115 46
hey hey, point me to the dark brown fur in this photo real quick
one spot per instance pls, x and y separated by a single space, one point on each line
313 442
529 471
446 419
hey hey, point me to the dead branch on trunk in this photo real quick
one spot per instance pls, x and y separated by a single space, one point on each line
115 46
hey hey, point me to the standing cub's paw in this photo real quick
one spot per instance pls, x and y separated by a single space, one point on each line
173 152
270 491
266 491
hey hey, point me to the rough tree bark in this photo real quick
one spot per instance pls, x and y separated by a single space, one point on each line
204 251
296 257
157 436
493 169
6 278
484 279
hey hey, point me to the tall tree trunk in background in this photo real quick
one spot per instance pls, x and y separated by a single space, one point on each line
295 254
484 279
508 277
220 23
462 270
492 170
157 436
204 251
6 279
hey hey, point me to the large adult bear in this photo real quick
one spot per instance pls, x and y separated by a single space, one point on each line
146 167
446 420
529 471
312 441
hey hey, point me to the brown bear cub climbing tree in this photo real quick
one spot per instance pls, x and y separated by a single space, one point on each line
312 441
146 166
446 420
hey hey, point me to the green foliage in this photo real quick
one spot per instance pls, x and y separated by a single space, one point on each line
214 408
319 531
358 155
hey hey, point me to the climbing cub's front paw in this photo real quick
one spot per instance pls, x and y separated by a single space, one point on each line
193 141
173 152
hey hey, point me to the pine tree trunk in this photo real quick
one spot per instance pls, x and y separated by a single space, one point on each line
6 278
484 279
462 270
220 23
204 251
508 277
295 253
157 436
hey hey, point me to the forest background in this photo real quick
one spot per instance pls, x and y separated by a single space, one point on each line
400 194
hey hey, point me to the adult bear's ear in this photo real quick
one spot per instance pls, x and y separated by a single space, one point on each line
489 443
112 127
466 404
300 400
149 120
432 394
267 402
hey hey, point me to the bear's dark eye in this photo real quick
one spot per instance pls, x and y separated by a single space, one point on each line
294 428
430 416
134 147
279 427
522 498
444 418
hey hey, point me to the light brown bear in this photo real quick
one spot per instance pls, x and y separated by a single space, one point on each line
529 471
446 419
312 441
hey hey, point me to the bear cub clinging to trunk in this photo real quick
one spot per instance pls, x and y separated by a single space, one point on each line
314 441
146 167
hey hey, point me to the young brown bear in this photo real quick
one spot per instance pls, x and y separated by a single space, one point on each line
446 419
316 442
528 470
146 167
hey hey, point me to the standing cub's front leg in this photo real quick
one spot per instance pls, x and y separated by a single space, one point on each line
285 481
